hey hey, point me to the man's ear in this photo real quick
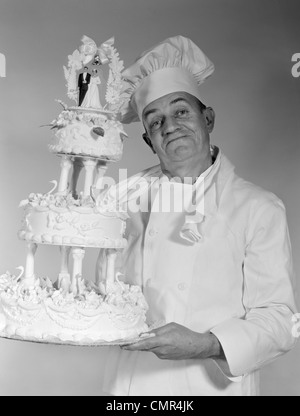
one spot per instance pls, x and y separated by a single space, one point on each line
210 116
148 141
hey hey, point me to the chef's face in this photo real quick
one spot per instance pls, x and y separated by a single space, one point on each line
177 127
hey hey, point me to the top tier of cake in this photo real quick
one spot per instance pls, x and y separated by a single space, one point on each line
88 132
91 127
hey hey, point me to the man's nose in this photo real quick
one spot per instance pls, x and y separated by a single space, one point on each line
170 125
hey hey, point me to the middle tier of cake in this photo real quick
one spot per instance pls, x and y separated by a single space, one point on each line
63 220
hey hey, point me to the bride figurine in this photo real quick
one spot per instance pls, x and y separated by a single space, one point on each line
92 97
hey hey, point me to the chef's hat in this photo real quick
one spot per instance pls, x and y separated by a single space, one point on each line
175 65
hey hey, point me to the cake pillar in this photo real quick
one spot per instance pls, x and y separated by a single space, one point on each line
77 167
29 270
100 173
78 256
64 278
66 165
110 271
89 166
101 269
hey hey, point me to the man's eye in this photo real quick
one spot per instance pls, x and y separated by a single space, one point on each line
182 112
155 124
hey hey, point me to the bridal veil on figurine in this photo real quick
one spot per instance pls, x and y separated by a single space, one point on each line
92 96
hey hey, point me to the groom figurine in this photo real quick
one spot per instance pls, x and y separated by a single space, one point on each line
83 84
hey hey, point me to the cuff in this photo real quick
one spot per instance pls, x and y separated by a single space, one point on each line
224 368
236 345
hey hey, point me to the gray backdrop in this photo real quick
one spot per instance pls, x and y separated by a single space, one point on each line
256 99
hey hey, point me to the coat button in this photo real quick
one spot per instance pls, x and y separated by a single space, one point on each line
148 282
152 232
182 286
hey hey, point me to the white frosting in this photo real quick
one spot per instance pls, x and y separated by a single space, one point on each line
74 310
45 313
72 228
74 135
62 220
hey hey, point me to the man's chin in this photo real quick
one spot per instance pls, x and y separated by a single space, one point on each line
180 153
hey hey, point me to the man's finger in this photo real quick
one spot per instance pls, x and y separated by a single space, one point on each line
143 345
163 329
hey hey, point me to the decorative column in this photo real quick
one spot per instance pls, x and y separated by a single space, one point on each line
89 166
78 256
64 278
100 173
110 272
66 165
77 167
29 269
101 267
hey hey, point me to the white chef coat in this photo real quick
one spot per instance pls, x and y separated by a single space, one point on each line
229 272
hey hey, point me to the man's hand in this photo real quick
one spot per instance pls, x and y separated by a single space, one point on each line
175 342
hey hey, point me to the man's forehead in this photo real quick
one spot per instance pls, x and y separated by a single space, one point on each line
167 101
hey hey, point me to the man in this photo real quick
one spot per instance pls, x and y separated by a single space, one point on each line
219 280
83 84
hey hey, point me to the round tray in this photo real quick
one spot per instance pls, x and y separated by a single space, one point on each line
88 343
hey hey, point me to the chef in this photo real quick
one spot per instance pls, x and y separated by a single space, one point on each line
217 273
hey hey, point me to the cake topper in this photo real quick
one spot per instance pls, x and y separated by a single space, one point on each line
83 75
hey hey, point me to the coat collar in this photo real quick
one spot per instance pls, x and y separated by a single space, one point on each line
207 191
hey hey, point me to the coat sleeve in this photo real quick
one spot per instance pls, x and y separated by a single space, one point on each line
266 332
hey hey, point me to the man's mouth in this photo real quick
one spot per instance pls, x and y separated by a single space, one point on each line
174 140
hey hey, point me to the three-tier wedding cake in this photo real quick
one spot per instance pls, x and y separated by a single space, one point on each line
72 309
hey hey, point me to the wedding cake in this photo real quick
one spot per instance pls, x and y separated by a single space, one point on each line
72 309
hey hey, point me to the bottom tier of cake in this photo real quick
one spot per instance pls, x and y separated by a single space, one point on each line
43 313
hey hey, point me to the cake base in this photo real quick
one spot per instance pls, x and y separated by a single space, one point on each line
80 314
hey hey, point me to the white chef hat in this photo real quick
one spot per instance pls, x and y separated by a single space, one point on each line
175 65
